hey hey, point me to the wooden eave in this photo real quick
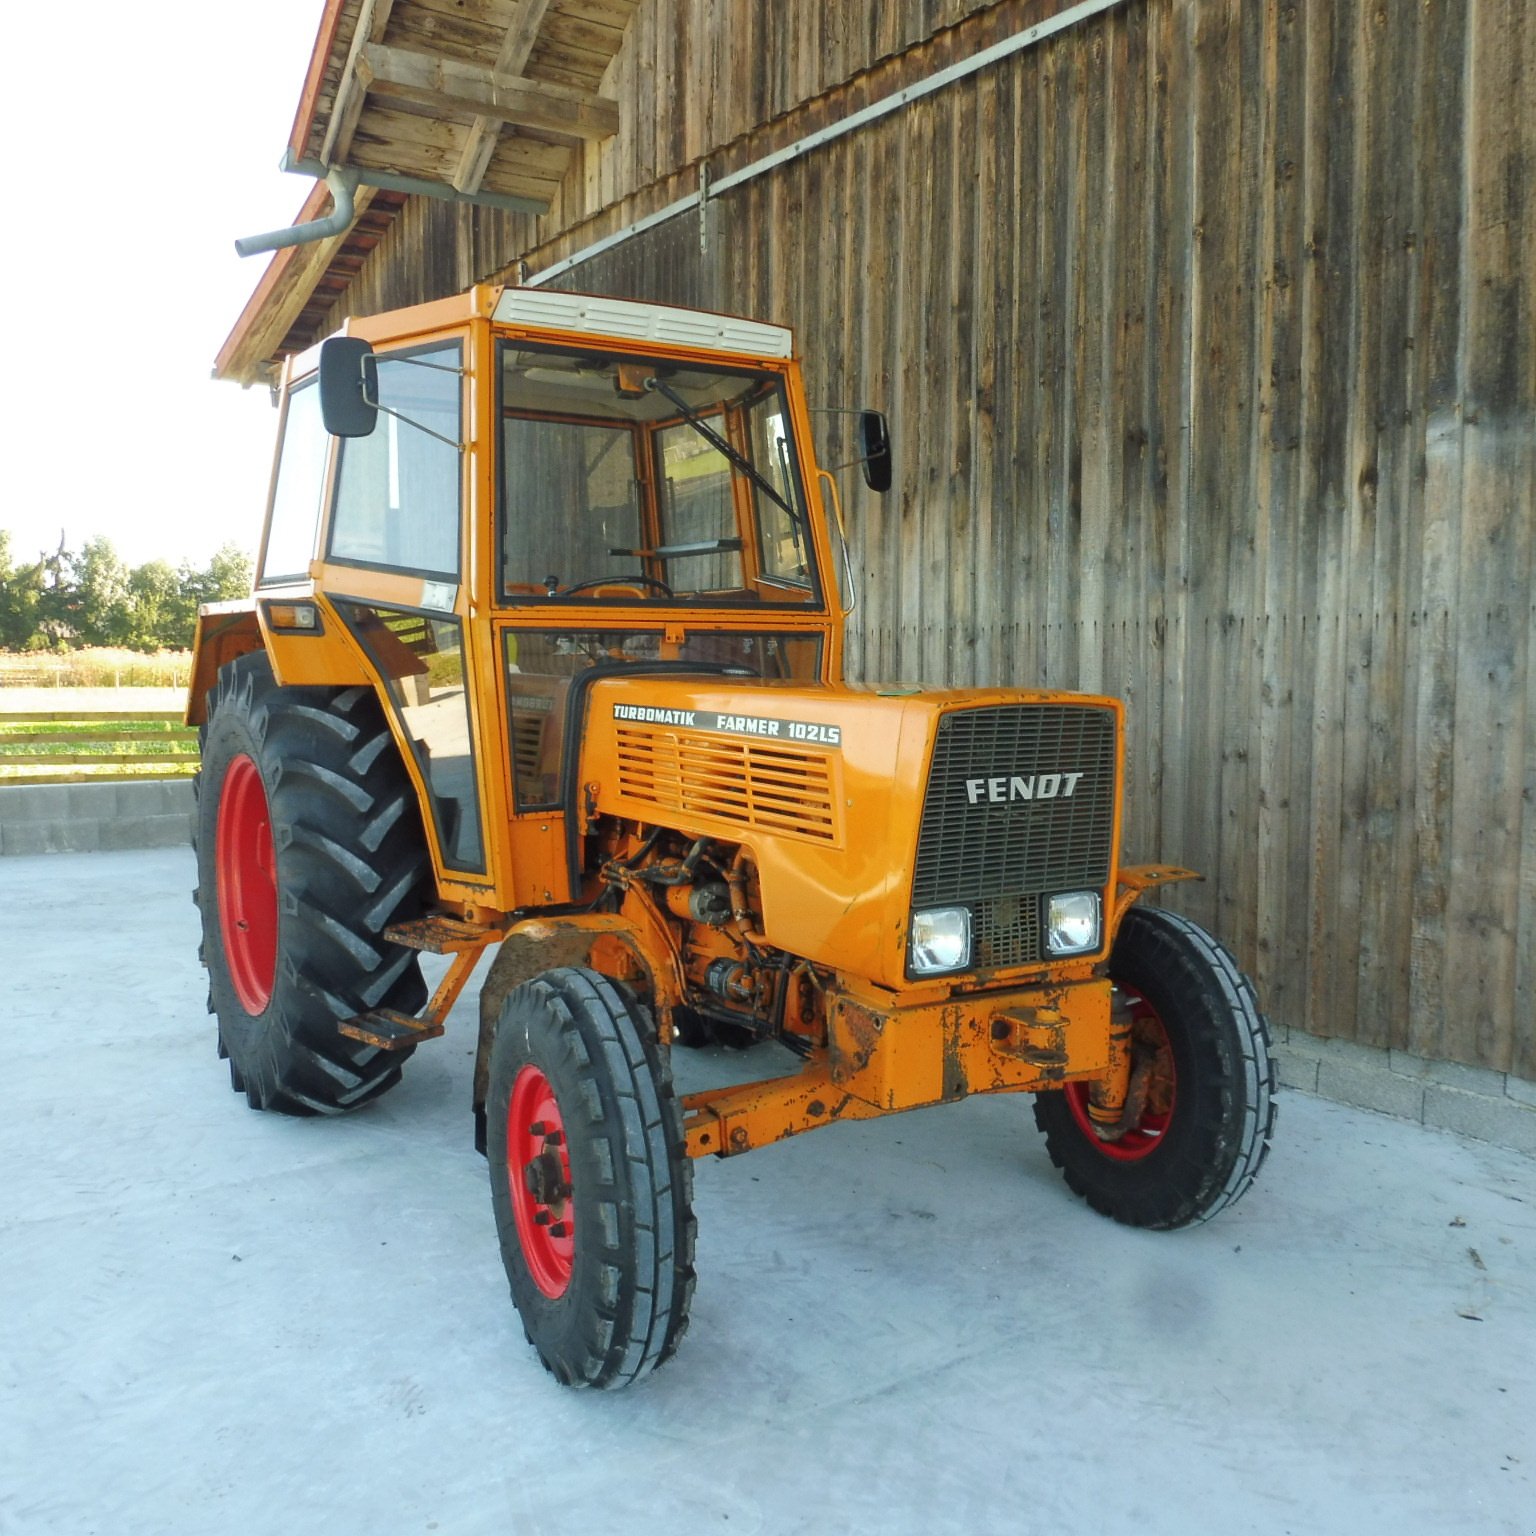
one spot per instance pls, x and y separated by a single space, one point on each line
484 100
287 312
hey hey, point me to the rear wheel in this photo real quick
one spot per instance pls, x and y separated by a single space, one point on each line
308 846
1203 1105
590 1184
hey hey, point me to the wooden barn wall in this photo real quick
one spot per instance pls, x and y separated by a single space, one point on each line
1206 330
698 74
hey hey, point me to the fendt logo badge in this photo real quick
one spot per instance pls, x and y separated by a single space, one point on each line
1037 786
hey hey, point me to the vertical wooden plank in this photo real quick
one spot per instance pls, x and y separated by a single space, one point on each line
1354 274
991 215
1442 116
1494 549
1523 1056
1095 522
1017 373
1129 405
1393 60
1275 394
1175 286
952 372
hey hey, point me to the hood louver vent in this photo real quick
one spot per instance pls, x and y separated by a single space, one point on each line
775 788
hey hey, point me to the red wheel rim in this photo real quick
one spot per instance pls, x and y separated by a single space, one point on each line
539 1174
246 861
1149 1044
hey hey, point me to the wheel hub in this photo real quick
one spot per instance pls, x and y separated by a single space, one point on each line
544 1179
1149 1103
245 861
539 1179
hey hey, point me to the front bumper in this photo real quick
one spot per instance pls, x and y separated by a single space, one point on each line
881 1060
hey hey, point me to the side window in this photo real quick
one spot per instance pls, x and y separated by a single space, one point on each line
397 494
421 660
300 485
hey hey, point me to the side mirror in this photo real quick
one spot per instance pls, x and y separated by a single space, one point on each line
349 386
874 448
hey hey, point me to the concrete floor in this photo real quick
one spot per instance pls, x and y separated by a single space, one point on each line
218 1321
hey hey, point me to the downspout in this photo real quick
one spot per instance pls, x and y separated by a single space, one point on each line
343 185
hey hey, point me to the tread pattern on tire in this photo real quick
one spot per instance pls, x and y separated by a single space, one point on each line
626 1309
1188 1182
351 859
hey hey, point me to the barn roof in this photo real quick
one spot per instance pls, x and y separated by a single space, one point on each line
480 101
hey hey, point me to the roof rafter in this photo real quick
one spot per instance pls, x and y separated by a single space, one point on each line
480 145
352 93
451 86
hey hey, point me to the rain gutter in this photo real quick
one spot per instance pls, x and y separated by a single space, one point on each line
710 186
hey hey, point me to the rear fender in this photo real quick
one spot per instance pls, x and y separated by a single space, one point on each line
224 631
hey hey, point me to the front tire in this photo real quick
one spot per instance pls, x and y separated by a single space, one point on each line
590 1184
308 846
1209 1108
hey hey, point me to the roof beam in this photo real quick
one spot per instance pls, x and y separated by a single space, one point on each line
352 93
475 158
453 87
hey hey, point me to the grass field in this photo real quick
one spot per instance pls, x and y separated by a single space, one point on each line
94 668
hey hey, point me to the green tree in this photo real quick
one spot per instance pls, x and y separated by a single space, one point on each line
161 618
21 594
226 577
101 600
64 600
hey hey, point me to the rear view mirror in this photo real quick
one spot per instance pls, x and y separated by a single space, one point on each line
874 449
349 386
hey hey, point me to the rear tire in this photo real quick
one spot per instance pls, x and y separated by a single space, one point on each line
308 845
1205 1127
590 1183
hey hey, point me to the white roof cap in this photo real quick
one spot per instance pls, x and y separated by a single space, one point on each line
625 320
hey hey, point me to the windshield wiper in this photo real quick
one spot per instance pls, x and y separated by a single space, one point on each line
721 445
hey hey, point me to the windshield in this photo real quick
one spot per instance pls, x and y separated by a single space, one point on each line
626 480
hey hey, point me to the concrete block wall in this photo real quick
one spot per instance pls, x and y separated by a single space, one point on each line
1491 1106
93 818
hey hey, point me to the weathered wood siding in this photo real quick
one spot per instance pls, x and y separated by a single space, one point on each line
1207 334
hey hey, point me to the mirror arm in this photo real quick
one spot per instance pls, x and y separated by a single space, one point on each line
410 422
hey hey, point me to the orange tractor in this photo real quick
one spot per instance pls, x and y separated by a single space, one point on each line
545 654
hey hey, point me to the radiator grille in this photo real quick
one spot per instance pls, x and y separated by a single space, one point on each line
998 829
776 788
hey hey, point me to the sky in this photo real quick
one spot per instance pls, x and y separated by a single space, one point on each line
125 193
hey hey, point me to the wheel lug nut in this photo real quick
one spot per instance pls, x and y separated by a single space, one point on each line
538 1128
541 1218
553 1138
560 1229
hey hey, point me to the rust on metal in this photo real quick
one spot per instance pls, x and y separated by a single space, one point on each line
388 1030
439 934
543 944
1108 1097
1136 879
460 968
854 1041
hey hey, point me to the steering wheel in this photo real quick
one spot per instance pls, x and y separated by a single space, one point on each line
617 581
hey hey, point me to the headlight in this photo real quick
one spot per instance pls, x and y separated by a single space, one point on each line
1072 922
941 940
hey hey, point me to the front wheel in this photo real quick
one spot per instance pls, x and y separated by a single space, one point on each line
590 1183
1205 1084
